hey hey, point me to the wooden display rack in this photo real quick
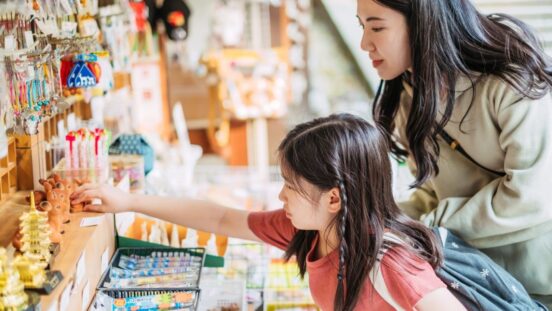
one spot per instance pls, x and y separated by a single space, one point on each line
81 110
34 157
8 171
84 254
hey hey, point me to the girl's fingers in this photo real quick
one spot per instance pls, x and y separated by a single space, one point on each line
87 195
83 188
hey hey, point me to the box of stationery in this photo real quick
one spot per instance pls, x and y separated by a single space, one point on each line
150 269
125 300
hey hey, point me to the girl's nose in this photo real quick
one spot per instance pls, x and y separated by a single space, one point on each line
281 196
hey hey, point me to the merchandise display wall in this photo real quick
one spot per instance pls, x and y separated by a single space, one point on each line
84 98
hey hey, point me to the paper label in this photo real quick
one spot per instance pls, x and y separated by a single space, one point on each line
68 28
29 39
91 221
9 43
105 261
65 296
85 296
81 269
71 122
89 27
61 128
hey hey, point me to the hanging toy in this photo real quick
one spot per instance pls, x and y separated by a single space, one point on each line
65 69
95 69
81 76
105 80
31 122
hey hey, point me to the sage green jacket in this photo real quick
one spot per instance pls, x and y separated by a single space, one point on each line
510 217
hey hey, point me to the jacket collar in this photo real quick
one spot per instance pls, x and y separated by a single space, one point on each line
463 84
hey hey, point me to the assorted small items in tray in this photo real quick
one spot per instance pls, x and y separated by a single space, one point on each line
129 300
152 279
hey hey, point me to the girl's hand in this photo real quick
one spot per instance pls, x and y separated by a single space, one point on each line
112 199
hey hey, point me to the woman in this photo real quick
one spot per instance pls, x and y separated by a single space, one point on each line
453 77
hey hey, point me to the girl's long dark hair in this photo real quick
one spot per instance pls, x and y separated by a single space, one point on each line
449 38
347 152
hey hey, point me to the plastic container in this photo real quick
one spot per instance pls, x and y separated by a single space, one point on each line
133 165
118 298
88 175
195 252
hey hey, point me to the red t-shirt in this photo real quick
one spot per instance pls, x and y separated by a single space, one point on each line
406 283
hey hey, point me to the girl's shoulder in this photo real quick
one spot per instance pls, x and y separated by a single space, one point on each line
401 260
408 277
272 227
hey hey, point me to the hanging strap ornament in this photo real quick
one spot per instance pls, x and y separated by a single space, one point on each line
65 70
31 122
95 69
81 76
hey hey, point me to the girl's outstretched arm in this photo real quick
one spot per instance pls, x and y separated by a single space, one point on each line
437 300
197 214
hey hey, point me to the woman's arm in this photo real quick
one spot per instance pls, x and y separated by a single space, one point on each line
440 299
515 207
197 214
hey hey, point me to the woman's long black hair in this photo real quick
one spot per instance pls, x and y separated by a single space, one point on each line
346 152
449 38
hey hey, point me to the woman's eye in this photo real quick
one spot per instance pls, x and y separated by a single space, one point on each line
377 29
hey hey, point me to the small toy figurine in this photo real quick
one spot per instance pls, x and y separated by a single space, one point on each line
54 206
12 294
54 217
30 272
36 231
56 194
70 187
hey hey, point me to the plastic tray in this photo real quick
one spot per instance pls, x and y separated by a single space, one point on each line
125 293
199 252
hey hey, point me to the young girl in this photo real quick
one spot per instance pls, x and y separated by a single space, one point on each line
467 98
338 202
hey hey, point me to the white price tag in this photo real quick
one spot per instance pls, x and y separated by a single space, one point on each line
81 269
71 122
61 129
68 28
29 39
85 296
65 296
91 221
9 43
89 27
105 261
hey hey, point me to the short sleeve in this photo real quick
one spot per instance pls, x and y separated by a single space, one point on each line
408 278
272 227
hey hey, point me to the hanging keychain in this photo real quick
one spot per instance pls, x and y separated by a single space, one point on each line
81 75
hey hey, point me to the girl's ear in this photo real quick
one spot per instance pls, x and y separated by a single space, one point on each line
334 198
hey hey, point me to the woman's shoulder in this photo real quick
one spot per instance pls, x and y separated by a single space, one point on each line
500 91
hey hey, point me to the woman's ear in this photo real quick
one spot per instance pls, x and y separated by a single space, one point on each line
334 199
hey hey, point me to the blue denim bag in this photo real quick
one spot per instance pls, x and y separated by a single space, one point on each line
475 279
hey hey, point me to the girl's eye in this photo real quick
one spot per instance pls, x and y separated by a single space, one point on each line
377 29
